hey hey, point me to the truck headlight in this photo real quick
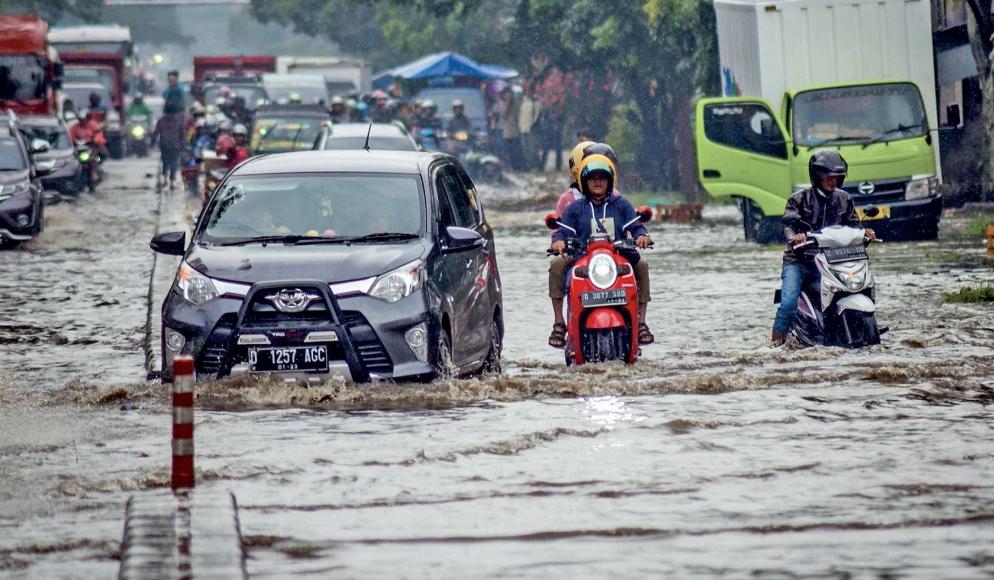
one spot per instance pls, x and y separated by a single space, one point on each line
921 187
399 283
602 271
194 286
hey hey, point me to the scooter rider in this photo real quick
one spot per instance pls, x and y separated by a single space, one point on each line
602 212
821 205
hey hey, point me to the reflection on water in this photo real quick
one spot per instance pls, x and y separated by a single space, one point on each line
715 455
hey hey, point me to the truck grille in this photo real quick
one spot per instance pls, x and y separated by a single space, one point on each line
884 190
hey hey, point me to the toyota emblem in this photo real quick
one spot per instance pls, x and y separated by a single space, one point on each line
867 187
291 301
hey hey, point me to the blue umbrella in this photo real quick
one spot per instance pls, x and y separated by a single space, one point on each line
443 64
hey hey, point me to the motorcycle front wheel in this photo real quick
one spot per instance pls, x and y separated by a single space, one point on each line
857 329
604 345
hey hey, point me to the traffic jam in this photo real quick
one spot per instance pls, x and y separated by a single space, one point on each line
470 314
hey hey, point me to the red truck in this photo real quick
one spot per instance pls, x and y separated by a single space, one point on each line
30 71
231 66
101 55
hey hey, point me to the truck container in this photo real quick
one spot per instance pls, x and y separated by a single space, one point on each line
30 70
852 75
343 76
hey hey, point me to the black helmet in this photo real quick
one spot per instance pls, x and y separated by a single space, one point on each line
826 162
601 149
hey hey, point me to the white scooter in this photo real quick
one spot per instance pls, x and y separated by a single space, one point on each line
843 313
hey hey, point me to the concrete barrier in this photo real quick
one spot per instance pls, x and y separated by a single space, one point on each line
182 535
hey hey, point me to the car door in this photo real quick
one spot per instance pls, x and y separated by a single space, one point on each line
485 281
743 150
454 270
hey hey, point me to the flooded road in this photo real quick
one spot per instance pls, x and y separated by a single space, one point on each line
714 456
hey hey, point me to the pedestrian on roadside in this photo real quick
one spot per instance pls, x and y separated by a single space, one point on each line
173 95
508 113
170 134
550 131
528 111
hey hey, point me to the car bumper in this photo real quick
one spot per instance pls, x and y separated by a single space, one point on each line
66 179
907 219
376 329
12 224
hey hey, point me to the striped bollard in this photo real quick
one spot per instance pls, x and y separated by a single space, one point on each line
183 382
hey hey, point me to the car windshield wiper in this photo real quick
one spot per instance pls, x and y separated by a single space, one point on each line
839 139
384 237
286 239
900 128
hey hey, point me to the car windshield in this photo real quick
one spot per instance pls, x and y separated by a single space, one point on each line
56 136
329 206
472 102
10 156
101 76
375 143
252 94
307 94
22 77
279 134
858 114
79 96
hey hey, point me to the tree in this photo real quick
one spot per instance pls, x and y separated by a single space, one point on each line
53 10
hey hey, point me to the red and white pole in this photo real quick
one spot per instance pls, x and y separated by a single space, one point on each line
183 383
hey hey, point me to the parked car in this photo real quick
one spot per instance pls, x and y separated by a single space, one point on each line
66 173
283 128
382 137
22 201
360 264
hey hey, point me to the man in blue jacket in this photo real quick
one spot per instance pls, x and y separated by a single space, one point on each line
603 213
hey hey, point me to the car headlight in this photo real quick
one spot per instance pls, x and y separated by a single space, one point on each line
921 187
194 286
399 283
12 189
602 271
138 132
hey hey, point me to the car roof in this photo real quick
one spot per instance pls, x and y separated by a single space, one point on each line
360 161
299 110
360 130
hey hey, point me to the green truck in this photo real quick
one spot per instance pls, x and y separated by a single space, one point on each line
748 150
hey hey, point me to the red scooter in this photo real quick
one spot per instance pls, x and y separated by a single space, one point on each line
602 305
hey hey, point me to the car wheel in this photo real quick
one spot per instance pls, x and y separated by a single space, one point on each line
491 365
444 367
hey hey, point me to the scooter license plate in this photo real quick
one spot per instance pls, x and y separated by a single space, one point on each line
603 298
289 358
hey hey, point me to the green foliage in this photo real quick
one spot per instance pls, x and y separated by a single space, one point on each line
54 10
971 295
978 225
623 134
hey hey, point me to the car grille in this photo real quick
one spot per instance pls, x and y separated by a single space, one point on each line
885 190
211 355
371 350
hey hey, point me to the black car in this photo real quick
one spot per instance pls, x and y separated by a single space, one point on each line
22 201
60 159
285 128
362 264
382 136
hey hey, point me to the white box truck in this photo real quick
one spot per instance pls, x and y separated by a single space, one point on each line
342 75
801 75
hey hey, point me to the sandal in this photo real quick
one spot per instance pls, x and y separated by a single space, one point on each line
558 337
645 337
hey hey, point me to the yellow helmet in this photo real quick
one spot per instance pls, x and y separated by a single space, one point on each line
575 157
594 164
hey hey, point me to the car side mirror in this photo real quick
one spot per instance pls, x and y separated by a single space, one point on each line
645 214
40 146
552 221
169 243
463 238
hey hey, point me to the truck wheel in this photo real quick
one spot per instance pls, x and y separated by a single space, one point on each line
758 227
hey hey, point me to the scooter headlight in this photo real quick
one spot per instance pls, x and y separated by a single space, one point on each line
853 278
399 283
84 156
138 132
194 286
602 271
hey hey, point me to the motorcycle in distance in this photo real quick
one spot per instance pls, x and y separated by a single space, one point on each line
484 167
602 299
89 161
138 135
840 310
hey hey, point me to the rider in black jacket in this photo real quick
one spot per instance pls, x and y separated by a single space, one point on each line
821 205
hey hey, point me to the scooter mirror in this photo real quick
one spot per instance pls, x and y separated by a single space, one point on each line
644 213
552 221
791 218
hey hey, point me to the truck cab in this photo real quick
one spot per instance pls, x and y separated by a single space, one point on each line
748 151
30 69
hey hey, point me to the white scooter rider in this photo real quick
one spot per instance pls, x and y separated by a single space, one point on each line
821 205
